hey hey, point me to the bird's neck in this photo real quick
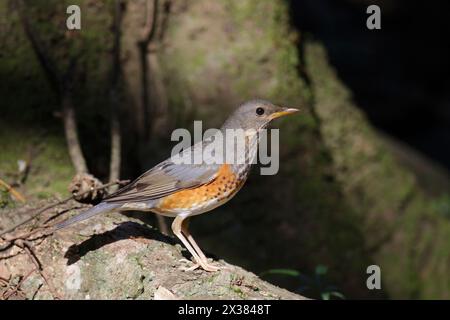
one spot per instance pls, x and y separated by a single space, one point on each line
245 153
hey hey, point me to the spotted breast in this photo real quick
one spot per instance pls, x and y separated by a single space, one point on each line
204 198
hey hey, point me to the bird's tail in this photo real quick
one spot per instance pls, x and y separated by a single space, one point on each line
100 208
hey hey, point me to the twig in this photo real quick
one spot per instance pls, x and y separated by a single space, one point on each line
24 245
5 297
116 138
39 268
59 203
71 133
4 280
16 194
61 83
36 292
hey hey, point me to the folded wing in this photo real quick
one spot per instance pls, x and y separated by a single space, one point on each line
164 179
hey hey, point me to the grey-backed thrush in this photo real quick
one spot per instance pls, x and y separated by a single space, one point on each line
183 190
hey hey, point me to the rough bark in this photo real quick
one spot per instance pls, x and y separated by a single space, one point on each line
116 257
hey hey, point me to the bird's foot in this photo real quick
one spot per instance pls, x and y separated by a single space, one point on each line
209 267
190 266
204 264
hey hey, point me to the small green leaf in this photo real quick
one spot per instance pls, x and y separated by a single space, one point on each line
325 296
321 269
337 294
286 272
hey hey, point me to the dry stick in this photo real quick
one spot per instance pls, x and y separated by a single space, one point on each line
116 138
60 84
26 237
18 285
59 203
16 194
32 255
147 36
116 141
4 280
5 283
71 133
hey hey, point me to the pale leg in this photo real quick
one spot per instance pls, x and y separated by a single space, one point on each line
185 230
178 229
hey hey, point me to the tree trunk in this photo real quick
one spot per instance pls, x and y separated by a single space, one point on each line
116 137
71 132
116 142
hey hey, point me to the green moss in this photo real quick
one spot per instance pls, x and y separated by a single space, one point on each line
441 205
255 57
5 199
50 170
396 217
238 291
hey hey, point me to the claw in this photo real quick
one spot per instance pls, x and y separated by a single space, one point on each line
185 261
210 267
191 268
195 265
188 262
207 266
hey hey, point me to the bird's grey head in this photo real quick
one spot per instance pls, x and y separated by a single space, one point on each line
255 114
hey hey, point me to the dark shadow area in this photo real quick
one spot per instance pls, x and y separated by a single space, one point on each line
123 231
399 75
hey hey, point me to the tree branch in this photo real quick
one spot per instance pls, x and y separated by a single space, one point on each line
71 132
116 138
61 86
39 212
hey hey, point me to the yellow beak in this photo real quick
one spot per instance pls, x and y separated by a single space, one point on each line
283 112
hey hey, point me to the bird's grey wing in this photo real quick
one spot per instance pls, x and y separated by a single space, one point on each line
164 179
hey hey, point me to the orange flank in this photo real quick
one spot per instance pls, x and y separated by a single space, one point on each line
224 185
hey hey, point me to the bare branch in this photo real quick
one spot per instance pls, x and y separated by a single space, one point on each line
61 85
116 139
71 132
56 204
16 194
17 288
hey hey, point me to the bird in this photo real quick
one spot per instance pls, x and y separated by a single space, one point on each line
183 190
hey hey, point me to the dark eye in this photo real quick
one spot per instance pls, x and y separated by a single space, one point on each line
259 111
